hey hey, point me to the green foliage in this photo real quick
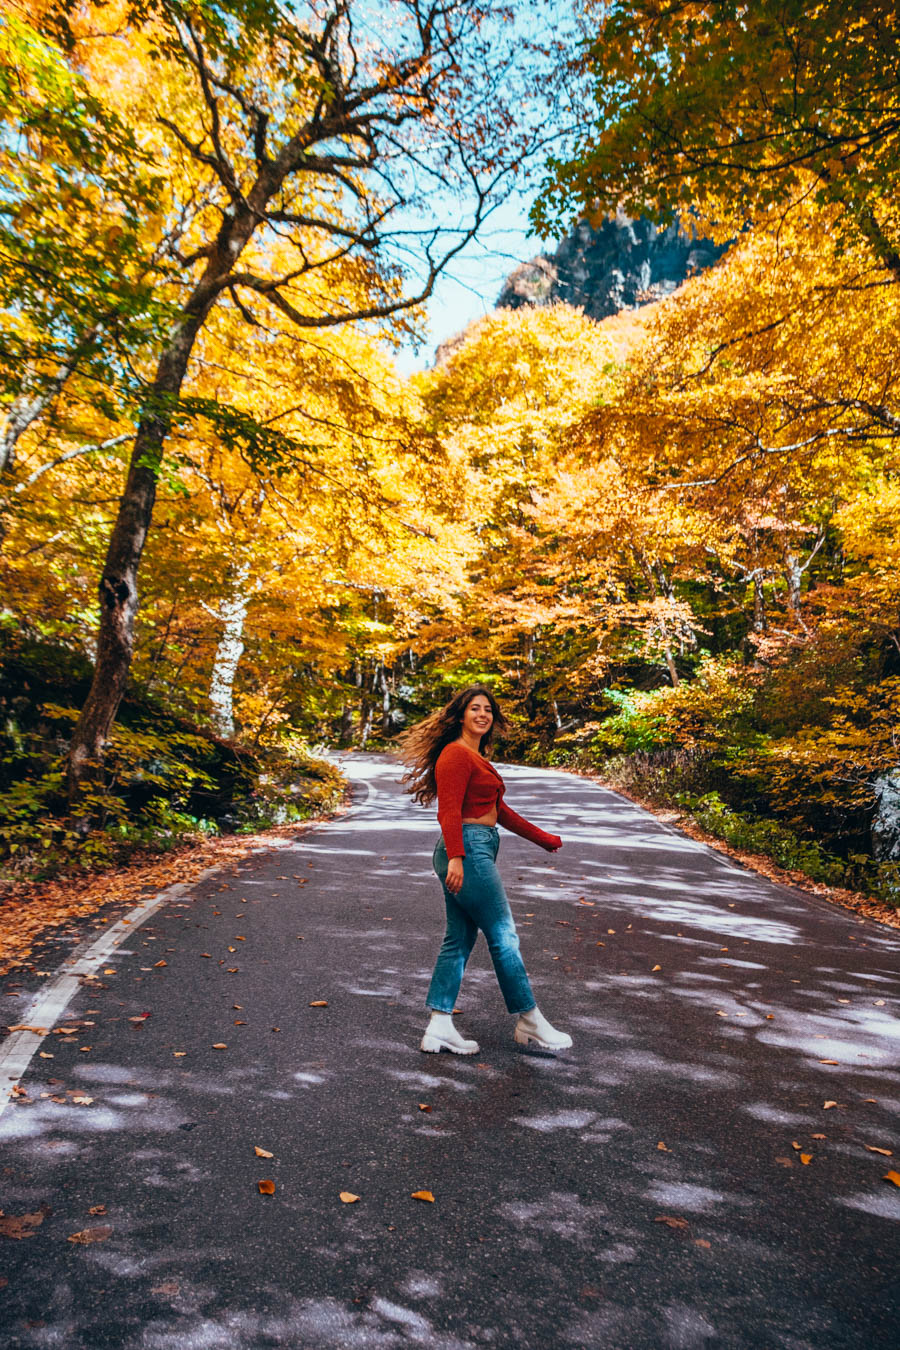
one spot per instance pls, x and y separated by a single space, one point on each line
163 781
738 110
76 190
637 725
788 850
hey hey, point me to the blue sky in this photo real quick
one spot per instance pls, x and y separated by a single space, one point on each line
470 287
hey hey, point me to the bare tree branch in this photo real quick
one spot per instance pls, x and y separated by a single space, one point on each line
78 452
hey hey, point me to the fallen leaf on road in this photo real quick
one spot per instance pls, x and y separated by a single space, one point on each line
97 1209
157 964
423 1195
671 1220
220 1045
82 1100
319 1003
266 1187
662 1148
828 1061
806 1159
892 1176
828 1105
44 1054
179 1054
879 1003
239 1006
818 1136
348 1197
88 1235
885 1152
656 968
610 930
770 1017
601 944
18 1226
795 1145
784 1162
702 1242
423 1106
262 1152
170 1288
207 954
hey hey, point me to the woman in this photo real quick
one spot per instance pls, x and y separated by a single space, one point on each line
446 758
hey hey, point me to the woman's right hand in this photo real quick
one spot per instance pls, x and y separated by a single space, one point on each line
454 878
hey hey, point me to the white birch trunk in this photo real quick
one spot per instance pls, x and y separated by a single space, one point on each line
233 614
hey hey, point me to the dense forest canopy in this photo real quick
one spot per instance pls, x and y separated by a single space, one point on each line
668 540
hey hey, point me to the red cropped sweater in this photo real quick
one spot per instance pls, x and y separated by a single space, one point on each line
469 785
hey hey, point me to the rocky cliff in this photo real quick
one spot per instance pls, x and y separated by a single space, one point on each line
617 265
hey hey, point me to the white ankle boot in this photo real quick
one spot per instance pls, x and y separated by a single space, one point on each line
441 1034
533 1027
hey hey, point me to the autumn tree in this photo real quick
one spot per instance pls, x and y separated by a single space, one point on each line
737 110
296 146
78 237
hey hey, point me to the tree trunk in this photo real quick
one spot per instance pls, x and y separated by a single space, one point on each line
385 704
118 583
759 606
233 614
365 723
793 575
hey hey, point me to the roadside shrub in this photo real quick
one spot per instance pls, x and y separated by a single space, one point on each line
163 780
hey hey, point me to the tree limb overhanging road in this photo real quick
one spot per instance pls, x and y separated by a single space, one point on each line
705 1168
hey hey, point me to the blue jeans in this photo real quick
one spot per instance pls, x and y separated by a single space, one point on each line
480 903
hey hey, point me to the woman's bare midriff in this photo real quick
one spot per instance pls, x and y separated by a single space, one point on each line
483 820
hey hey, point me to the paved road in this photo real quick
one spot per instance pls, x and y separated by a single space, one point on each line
559 1218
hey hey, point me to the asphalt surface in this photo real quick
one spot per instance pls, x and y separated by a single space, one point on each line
644 1190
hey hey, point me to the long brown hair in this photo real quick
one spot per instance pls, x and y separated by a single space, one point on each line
421 744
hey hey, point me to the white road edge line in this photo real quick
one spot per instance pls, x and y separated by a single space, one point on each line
48 1006
45 1009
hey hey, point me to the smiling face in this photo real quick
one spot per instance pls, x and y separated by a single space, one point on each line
478 717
